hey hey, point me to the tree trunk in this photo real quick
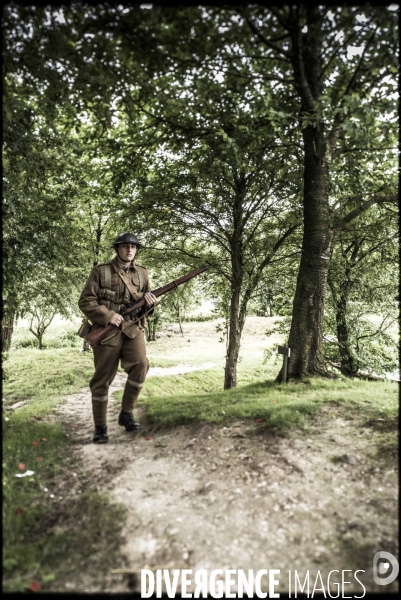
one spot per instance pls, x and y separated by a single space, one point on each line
270 302
349 365
179 320
306 334
237 316
86 345
7 322
7 328
149 331
151 327
234 339
99 232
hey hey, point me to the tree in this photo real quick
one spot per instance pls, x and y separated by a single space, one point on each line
59 204
173 306
217 188
363 286
43 296
337 94
121 104
41 317
36 189
204 114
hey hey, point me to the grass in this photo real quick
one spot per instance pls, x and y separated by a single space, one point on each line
43 376
197 396
34 553
22 508
38 534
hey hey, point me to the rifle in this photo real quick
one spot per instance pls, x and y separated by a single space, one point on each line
96 336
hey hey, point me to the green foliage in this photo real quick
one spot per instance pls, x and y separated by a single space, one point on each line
371 348
199 318
174 306
56 337
361 312
184 124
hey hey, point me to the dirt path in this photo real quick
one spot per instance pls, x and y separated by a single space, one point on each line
227 497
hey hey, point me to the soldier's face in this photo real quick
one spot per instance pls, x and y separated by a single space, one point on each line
126 252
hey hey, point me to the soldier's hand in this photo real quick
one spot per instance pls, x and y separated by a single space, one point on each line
116 320
150 299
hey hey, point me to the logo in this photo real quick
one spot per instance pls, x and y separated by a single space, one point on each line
387 566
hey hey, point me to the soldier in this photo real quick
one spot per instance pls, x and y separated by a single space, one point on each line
109 287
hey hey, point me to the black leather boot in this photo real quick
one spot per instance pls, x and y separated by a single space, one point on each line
127 420
100 435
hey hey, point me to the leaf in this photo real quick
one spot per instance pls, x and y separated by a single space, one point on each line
9 563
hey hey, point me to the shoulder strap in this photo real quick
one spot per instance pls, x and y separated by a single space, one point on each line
129 286
141 279
107 276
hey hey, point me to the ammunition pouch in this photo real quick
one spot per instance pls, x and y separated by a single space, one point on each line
85 328
105 294
107 298
110 305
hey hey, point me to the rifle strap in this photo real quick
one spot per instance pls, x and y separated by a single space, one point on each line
109 337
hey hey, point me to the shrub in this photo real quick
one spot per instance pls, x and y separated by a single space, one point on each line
199 318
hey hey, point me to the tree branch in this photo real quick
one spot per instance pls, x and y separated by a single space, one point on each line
276 246
357 211
266 41
353 78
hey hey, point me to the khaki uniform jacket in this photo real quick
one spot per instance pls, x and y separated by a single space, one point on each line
129 287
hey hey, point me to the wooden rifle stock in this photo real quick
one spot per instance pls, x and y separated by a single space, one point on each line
95 337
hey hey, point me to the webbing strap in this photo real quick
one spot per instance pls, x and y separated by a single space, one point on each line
141 279
107 276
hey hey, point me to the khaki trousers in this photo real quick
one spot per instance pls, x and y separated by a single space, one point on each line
132 352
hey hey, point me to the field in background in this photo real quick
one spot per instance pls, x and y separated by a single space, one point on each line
199 344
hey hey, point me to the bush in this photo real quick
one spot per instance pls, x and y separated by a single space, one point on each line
56 337
199 318
68 339
25 342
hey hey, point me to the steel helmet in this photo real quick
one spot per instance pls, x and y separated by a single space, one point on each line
127 238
